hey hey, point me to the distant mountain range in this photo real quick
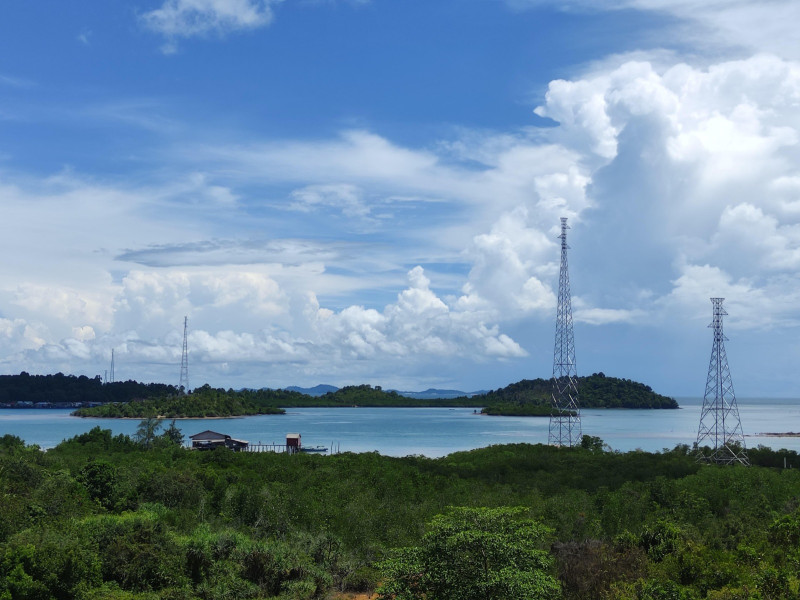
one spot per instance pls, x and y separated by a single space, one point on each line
429 394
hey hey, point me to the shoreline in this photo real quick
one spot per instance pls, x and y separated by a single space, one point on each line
163 418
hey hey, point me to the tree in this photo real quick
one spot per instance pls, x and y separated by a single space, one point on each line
474 554
173 434
100 479
147 431
592 443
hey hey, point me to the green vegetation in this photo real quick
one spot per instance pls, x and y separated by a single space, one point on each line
202 402
366 395
594 391
130 399
103 516
210 402
510 409
525 398
474 554
68 389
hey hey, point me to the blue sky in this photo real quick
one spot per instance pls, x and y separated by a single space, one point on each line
369 191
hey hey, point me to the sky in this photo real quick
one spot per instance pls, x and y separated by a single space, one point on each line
370 191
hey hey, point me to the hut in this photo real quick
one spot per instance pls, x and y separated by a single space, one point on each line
207 440
293 442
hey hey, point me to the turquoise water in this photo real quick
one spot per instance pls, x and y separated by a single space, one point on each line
433 431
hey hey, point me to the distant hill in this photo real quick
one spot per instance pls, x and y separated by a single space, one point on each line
429 394
317 390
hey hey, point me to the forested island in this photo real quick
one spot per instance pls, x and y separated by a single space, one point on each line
141 518
532 397
202 402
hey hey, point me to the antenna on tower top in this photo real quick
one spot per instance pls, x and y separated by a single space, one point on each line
183 384
565 416
719 420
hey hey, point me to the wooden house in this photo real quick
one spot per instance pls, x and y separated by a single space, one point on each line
206 440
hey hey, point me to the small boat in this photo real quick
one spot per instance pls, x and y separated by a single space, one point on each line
313 449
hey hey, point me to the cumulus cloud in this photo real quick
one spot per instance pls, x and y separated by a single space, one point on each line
703 162
417 325
243 317
509 265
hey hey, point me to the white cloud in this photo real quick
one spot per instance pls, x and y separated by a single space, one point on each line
751 25
509 264
63 304
345 197
418 325
188 18
699 163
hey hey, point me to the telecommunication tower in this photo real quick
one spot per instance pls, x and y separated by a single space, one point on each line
720 426
184 380
565 416
111 372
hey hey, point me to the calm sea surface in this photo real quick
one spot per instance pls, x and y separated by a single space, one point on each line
434 431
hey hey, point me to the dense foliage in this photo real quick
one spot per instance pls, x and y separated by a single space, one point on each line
68 389
103 516
202 402
474 554
594 391
366 395
130 399
210 402
512 409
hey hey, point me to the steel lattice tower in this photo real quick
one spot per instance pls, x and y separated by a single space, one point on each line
184 380
565 416
720 426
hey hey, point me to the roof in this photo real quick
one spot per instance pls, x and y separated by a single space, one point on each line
208 435
293 436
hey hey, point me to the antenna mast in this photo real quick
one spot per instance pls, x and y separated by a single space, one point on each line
111 373
720 426
184 380
565 416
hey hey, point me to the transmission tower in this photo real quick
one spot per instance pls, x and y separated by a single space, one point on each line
565 416
720 426
184 380
111 372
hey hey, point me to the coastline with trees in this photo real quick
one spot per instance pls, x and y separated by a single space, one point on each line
133 400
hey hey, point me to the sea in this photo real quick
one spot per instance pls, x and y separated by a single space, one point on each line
435 432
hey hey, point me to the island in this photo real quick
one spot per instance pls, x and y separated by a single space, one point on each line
529 397
532 397
203 402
